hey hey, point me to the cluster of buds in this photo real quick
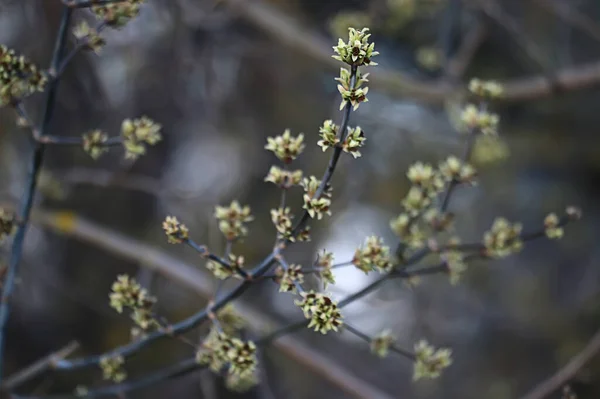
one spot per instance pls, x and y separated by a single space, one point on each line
353 141
222 272
373 255
220 350
282 219
285 147
351 88
453 169
284 178
485 89
112 368
289 278
454 261
324 264
19 77
408 231
230 320
552 227
94 143
323 312
381 343
316 205
138 132
357 51
118 14
437 220
127 293
430 362
7 223
476 119
176 232
427 184
241 384
503 239
232 220
89 36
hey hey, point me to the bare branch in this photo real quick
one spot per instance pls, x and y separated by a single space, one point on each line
562 376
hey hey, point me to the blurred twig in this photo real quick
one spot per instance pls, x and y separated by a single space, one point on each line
287 31
458 65
562 376
572 16
38 367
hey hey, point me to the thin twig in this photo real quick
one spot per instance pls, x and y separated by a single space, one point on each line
402 352
27 198
562 376
572 16
38 367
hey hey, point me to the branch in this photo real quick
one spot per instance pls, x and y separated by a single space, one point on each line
190 276
170 372
38 367
562 376
572 16
27 198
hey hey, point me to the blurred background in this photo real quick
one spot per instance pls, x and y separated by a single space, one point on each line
221 76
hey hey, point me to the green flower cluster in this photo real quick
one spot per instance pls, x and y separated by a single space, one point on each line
7 223
353 141
430 362
222 272
112 368
138 132
373 256
288 278
381 343
324 264
552 227
221 351
176 232
285 147
19 77
232 220
94 143
503 239
316 205
284 178
118 14
357 51
89 36
127 293
322 311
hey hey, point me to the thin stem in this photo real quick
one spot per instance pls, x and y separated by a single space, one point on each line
27 198
89 3
167 373
409 355
337 151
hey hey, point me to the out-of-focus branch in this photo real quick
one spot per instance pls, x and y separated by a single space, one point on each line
284 29
572 16
562 376
190 276
38 367
457 66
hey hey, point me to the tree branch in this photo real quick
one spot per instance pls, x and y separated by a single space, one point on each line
27 199
562 376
